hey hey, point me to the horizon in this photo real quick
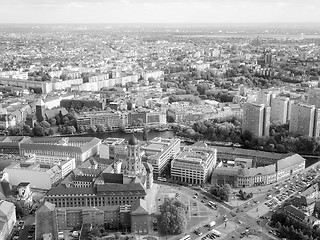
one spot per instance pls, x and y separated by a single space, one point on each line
158 11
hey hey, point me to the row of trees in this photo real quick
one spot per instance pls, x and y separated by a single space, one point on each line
293 229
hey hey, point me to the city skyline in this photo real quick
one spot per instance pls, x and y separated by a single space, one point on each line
158 11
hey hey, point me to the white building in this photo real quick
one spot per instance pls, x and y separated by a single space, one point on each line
194 164
159 151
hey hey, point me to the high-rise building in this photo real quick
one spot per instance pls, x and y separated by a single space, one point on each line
314 97
280 107
303 55
256 119
268 58
264 97
304 120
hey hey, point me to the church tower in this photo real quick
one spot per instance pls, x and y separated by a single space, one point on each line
40 110
133 165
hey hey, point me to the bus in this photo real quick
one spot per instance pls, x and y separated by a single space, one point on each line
216 233
187 237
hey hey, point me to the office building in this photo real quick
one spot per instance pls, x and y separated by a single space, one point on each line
280 109
11 144
112 148
80 148
159 151
194 164
304 120
256 119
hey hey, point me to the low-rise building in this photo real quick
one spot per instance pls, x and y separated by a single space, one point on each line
80 148
244 176
46 222
7 218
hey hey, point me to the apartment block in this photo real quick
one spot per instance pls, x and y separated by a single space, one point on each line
304 120
280 107
256 119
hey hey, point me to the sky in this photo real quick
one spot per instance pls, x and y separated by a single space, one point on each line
158 11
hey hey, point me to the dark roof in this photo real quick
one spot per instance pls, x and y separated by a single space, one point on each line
62 190
113 188
82 178
51 144
5 188
112 178
133 140
23 184
139 207
295 212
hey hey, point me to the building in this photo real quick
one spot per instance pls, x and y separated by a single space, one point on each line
80 148
109 189
113 216
39 176
290 166
314 97
140 219
301 216
194 165
159 151
264 97
304 120
241 176
280 110
11 144
46 222
111 148
25 193
256 119
7 218
111 120
6 119
259 158
40 110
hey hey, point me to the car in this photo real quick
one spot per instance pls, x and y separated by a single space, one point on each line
239 222
202 201
30 236
204 197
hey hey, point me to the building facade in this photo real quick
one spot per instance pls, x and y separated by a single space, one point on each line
304 120
194 165
159 151
280 110
256 119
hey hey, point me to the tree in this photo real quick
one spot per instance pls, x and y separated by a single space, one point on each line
27 129
45 124
51 131
101 128
173 217
38 131
92 129
52 121
70 130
